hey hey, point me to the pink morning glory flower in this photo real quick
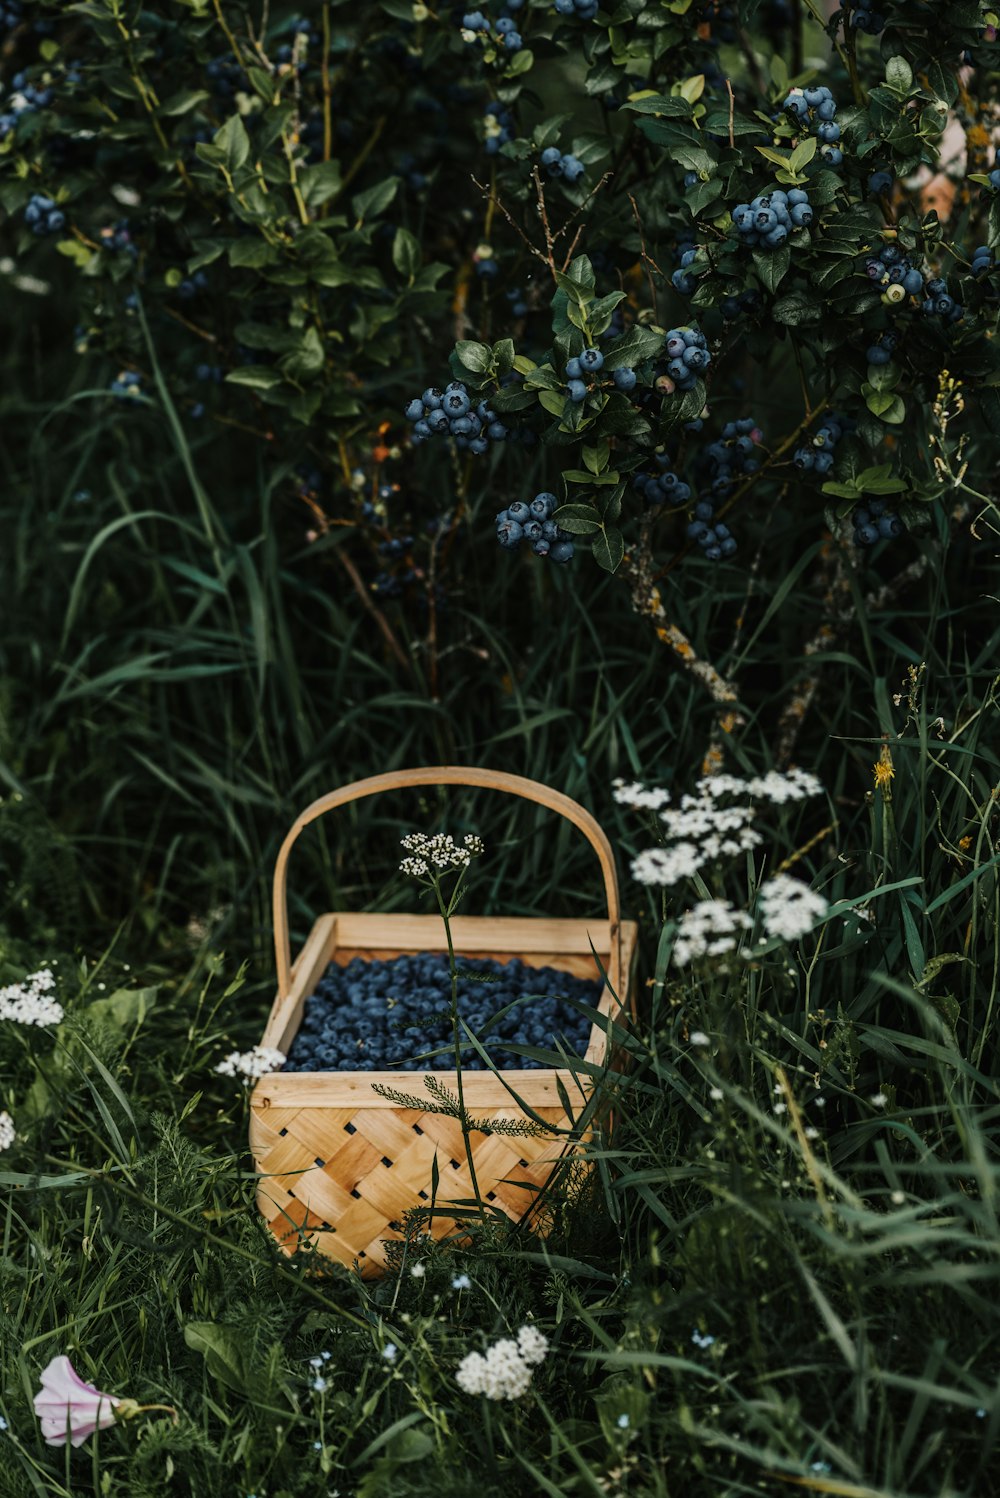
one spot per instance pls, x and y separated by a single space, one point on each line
65 1404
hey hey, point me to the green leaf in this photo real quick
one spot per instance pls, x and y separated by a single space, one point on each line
609 548
879 401
803 154
374 200
224 1351
662 104
320 183
896 413
772 266
580 520
842 491
899 75
183 101
406 253
633 347
473 356
234 143
796 308
252 253
255 376
550 400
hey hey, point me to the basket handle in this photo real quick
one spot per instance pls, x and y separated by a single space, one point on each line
496 780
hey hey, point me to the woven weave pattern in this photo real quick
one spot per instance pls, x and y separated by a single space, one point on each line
343 1178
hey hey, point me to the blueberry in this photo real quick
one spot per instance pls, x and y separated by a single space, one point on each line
414 410
432 398
519 511
591 360
625 379
577 390
572 169
574 369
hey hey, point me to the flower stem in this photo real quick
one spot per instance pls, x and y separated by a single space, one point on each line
446 913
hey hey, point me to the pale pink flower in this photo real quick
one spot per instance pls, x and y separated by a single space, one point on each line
65 1404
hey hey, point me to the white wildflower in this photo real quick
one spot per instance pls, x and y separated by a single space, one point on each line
709 929
793 785
879 1100
418 1271
504 1371
716 1094
698 1037
789 908
8 1133
532 1344
438 852
251 1064
461 1282
31 1002
389 1352
642 797
666 865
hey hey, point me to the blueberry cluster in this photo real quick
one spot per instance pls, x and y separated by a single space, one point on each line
874 521
449 413
126 385
768 219
732 307
882 350
862 16
42 216
377 1015
498 127
817 109
24 98
662 487
584 10
688 356
982 260
518 299
898 278
681 279
191 285
486 264
733 456
225 77
119 238
533 523
504 30
938 302
582 371
817 455
556 164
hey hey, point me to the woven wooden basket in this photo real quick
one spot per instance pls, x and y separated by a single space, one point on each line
339 1164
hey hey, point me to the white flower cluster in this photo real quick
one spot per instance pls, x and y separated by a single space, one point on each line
438 852
716 823
251 1064
789 908
709 929
7 1131
504 1371
642 797
31 1002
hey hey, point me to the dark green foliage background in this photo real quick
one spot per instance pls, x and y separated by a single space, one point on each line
200 634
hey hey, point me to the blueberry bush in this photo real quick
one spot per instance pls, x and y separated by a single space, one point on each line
604 390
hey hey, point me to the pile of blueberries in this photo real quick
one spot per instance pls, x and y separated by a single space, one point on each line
861 15
882 350
817 108
582 370
725 461
767 220
504 28
119 237
42 216
817 455
449 413
898 278
554 164
681 279
874 521
583 10
688 357
533 523
663 487
375 1015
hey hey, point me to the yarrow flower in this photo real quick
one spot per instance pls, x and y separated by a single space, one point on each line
713 824
251 1064
709 929
504 1371
642 797
8 1133
461 1282
789 908
438 852
31 1002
